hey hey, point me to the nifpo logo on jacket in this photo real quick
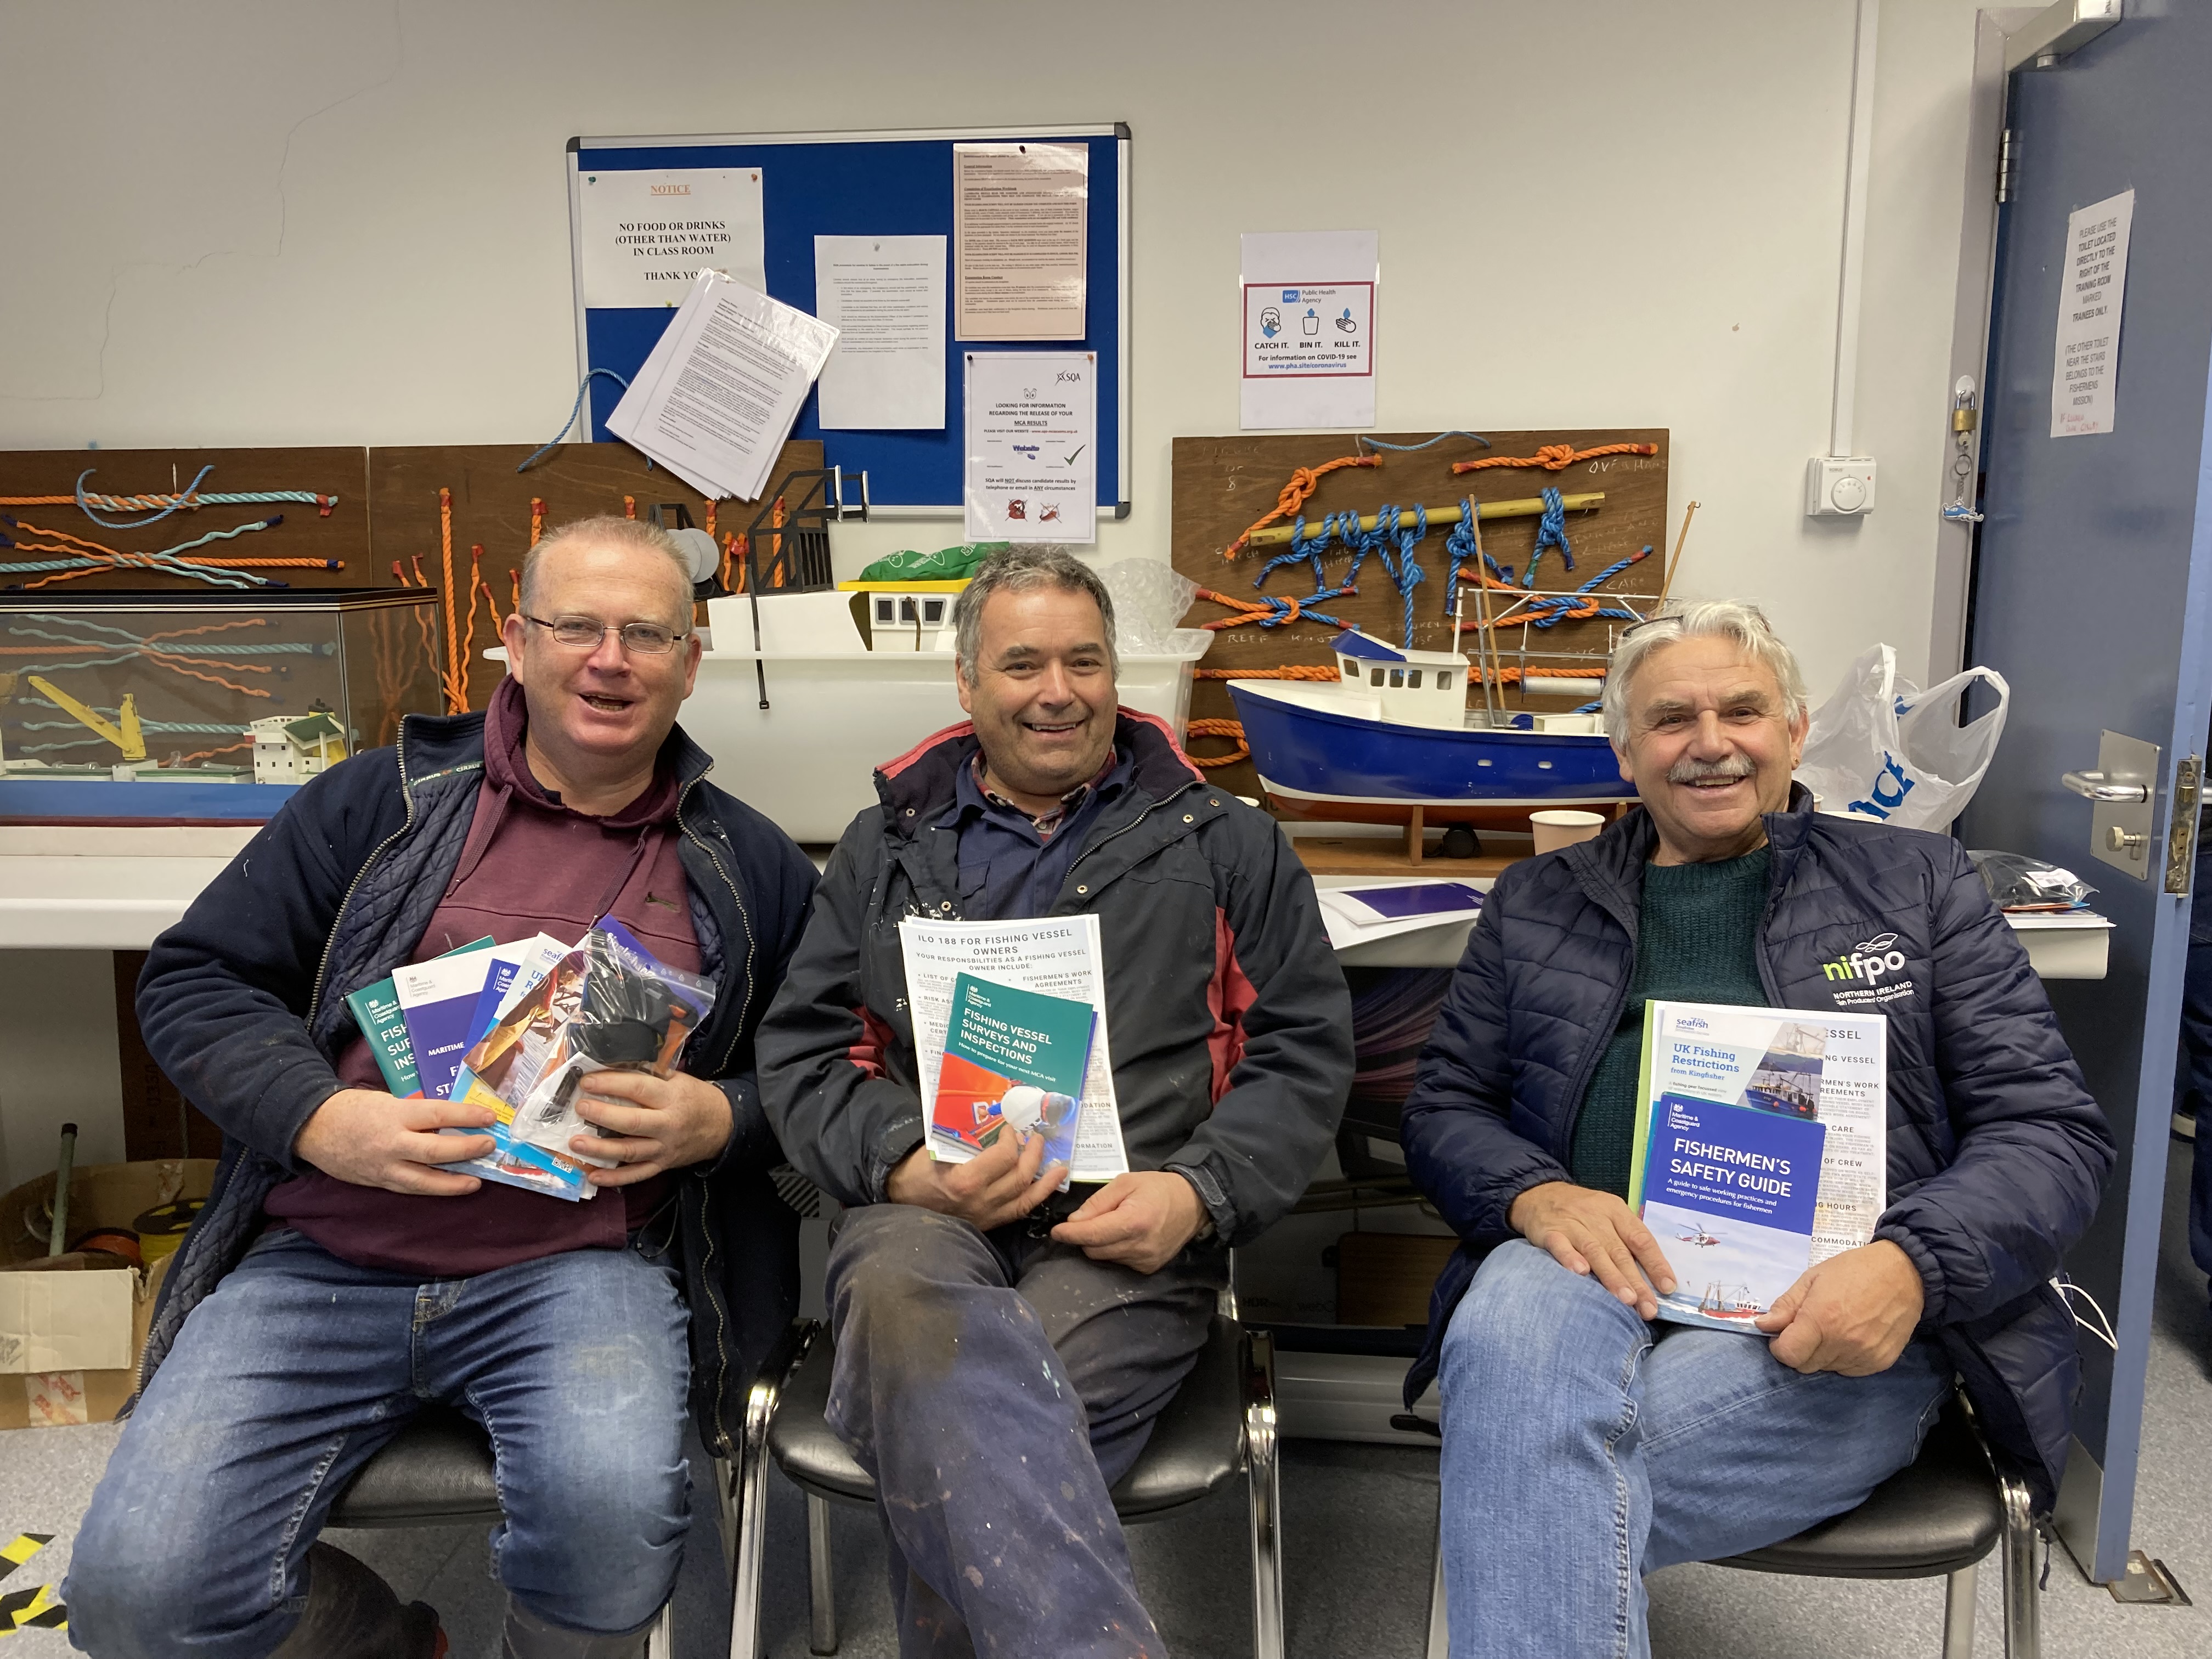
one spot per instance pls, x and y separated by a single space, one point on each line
1875 969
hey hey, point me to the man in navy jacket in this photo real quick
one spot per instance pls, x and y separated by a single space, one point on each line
343 1274
1585 1445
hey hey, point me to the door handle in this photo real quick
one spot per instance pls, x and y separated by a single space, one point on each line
2097 787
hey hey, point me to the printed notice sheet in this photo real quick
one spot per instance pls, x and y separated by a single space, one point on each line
642 237
1309 345
885 297
718 395
1761 1148
2092 281
1019 218
1032 473
1058 956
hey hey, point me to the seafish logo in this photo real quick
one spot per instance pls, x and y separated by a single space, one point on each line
1869 960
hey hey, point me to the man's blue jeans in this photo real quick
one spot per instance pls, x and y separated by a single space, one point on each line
1580 1454
298 1367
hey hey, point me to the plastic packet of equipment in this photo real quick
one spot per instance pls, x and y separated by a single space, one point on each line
2018 881
609 1005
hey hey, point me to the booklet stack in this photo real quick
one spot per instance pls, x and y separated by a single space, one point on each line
517 1027
1760 1146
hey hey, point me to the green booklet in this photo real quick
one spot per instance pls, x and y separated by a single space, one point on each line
1011 1058
377 1011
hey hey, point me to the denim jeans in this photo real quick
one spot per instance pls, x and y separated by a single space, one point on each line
1584 1448
996 1385
299 1366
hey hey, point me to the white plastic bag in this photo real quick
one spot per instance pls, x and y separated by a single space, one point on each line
1882 748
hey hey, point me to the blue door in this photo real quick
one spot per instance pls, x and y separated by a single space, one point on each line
2091 598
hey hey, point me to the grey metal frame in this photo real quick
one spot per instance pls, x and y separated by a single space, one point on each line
2023 1626
745 1501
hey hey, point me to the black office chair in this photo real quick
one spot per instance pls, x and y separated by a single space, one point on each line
437 1472
1938 1518
1221 1421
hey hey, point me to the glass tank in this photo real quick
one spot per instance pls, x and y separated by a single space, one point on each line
173 707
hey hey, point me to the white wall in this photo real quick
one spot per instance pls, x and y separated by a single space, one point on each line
284 222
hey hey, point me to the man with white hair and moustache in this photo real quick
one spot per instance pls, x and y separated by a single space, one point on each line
1584 1444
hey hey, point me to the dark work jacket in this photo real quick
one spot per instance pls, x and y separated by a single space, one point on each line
1997 1151
243 1006
1230 1025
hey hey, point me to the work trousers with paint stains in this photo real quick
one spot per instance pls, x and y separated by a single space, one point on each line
995 1385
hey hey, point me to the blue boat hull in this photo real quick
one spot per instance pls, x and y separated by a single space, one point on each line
95 800
1321 755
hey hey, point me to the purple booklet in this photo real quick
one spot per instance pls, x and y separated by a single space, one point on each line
1428 898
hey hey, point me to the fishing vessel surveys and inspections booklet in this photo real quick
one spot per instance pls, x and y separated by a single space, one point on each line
1053 956
1013 1058
1760 1147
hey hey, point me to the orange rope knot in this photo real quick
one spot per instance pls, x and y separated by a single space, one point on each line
1554 458
1295 495
537 518
1233 730
630 506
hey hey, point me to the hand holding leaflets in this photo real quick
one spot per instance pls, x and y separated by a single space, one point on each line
509 1033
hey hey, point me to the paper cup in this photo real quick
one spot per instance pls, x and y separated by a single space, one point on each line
1561 828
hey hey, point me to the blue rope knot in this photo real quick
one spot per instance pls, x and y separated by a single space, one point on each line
1550 531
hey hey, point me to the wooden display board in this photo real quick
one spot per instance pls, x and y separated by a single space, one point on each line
1222 484
387 512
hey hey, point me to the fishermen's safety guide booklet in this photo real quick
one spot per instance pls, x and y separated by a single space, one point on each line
1761 1149
1053 956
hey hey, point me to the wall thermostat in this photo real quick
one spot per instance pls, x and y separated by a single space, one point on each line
1838 486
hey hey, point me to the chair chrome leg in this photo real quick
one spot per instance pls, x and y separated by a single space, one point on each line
1439 1643
749 1500
725 1503
660 1640
821 1581
1263 1475
1959 1612
2023 1615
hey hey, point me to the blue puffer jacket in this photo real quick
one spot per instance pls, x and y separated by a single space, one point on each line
1996 1152
243 1005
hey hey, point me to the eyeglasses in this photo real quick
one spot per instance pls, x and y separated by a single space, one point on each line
1676 617
583 633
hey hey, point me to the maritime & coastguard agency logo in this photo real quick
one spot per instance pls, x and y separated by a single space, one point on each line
1875 969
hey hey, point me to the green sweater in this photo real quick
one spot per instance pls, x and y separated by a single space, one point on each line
1698 941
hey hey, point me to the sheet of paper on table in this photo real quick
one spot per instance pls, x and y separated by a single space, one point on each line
718 394
1059 956
1020 216
1032 471
885 297
1362 914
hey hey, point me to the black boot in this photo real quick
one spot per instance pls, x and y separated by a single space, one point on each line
352 1614
525 1636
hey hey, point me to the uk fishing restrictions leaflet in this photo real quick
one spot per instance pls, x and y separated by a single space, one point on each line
1012 1059
1760 1146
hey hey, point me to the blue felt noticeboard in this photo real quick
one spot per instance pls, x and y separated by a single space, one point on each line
881 184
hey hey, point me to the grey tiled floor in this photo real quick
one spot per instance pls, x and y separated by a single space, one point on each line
1359 1529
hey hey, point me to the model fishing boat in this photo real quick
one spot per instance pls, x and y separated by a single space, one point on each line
1394 731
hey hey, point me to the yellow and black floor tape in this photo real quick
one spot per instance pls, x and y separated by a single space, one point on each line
36 1608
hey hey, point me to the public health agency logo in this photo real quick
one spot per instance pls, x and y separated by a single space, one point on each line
1864 967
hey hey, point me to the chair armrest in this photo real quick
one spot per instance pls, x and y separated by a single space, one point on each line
766 1392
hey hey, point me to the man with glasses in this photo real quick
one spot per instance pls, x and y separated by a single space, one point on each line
344 1275
1584 1444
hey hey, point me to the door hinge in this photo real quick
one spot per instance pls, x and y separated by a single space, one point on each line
2181 827
2007 168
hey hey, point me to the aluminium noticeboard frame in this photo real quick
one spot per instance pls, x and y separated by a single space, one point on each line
912 474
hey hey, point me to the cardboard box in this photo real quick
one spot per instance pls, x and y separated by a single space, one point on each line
72 1328
1384 1278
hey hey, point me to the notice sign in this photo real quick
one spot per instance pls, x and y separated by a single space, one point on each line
2092 282
1019 216
1032 460
642 237
1308 349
